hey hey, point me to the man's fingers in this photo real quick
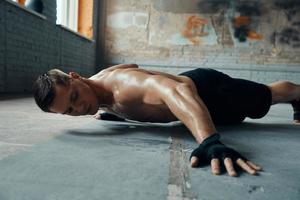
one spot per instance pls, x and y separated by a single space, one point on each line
229 167
245 166
215 166
194 161
254 166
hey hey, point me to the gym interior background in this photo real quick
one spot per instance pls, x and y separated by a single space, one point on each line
253 39
258 40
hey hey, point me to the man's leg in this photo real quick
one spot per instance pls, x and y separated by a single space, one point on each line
284 92
287 92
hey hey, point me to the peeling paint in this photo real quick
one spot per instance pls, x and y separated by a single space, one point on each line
176 6
192 32
127 19
290 34
178 39
242 25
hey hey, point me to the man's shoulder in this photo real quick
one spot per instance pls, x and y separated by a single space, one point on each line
114 68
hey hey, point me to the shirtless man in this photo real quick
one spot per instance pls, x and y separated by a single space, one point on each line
199 98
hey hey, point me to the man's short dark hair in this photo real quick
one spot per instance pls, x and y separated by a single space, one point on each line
44 87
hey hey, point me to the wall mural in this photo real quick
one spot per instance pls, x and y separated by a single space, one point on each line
244 16
246 23
243 30
195 29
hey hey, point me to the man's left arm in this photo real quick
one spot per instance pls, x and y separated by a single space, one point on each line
189 108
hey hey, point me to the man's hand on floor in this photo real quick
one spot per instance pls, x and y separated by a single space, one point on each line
107 116
212 151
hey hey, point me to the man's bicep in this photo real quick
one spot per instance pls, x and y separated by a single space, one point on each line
189 108
169 89
182 100
158 89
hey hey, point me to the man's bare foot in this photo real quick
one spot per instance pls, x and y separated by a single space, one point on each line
296 107
297 122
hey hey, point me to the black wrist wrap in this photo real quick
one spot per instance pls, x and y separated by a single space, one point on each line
211 148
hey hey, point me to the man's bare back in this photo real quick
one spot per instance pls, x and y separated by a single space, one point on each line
137 93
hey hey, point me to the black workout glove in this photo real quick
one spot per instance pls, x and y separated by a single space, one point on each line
110 117
211 148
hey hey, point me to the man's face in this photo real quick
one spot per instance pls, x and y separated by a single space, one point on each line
76 98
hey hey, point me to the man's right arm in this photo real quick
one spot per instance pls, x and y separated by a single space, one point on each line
191 110
104 115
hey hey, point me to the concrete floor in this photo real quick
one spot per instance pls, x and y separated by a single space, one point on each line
55 157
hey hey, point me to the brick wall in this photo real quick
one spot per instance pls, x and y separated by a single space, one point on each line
31 44
2 48
257 40
50 10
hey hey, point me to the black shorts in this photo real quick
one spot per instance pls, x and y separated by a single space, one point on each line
230 100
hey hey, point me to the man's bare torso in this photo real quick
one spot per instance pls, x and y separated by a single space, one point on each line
136 93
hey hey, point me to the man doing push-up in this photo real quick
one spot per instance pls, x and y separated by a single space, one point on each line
199 98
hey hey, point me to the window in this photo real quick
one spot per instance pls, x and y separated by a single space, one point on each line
67 13
77 15
22 2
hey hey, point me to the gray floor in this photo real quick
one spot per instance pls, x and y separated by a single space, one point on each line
54 157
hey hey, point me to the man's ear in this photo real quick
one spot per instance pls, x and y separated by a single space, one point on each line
74 75
77 76
85 80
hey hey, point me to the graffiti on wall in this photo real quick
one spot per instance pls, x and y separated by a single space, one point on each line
290 34
195 29
191 6
245 17
246 23
243 30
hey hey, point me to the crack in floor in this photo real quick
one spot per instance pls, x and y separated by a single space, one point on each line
179 187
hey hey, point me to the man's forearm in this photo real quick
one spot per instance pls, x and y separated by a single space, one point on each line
188 107
191 110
